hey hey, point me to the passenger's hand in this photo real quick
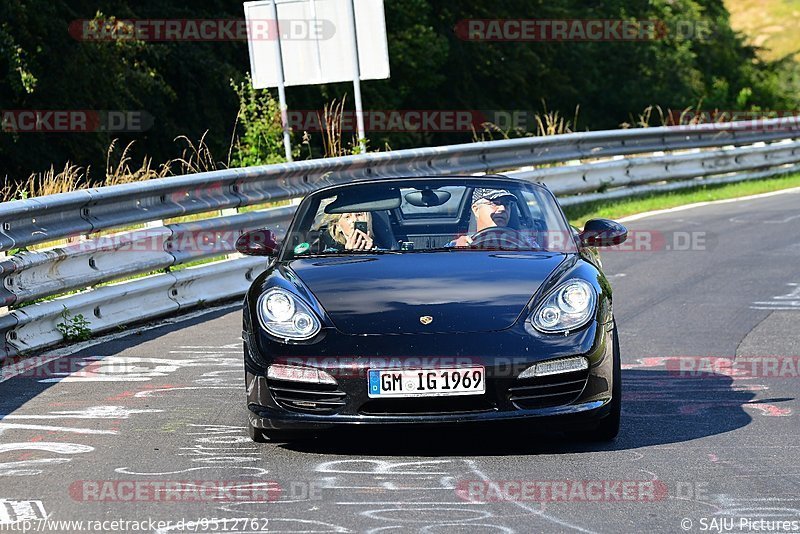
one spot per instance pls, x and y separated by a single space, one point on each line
358 240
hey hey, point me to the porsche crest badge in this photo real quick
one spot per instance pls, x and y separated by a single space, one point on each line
426 319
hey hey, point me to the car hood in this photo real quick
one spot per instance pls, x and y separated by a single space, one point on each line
465 291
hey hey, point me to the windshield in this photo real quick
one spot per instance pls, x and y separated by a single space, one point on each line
413 216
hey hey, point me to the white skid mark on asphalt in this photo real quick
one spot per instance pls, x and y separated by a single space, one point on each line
474 468
25 366
17 426
787 302
216 429
410 503
209 347
28 364
214 447
94 412
29 467
34 467
205 353
414 516
383 467
446 483
732 506
49 446
149 392
784 220
259 471
131 369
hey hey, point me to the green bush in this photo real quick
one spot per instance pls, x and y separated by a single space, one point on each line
74 328
259 120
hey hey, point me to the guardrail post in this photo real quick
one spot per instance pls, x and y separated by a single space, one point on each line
4 310
226 213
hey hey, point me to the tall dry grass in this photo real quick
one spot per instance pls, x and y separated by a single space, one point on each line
553 123
333 138
546 123
690 116
120 169
197 157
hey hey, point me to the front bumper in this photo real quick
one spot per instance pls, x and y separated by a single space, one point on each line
503 354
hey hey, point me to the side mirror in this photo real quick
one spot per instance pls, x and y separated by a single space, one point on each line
603 233
258 243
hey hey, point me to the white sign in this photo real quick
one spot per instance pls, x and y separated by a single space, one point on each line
316 41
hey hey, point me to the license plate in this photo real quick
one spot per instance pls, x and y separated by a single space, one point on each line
385 383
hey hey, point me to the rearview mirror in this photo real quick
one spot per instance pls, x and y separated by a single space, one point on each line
362 199
428 198
260 242
603 233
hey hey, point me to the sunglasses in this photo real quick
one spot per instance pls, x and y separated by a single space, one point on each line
496 203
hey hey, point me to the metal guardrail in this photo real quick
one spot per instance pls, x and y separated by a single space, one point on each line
594 165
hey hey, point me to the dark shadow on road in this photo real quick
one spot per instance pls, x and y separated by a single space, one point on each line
658 408
20 389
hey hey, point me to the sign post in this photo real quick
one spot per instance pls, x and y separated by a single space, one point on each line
337 41
287 140
351 12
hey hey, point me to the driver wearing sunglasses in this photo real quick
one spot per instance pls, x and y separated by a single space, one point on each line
491 209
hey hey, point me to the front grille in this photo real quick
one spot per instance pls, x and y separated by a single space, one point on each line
428 406
307 398
548 391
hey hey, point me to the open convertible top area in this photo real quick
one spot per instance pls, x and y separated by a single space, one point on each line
429 214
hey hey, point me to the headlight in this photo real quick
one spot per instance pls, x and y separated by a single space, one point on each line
569 307
286 316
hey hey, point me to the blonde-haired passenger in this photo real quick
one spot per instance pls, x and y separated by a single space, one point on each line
342 233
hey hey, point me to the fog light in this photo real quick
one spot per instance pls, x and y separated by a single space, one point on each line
554 367
294 373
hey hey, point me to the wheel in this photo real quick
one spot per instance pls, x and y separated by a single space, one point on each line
256 434
608 428
280 436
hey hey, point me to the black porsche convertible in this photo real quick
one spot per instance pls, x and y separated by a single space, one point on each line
431 301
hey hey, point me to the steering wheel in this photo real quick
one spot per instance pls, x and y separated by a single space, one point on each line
499 237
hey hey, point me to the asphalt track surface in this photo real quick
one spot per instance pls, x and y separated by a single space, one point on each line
165 404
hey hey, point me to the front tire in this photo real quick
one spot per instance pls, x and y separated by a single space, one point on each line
276 436
256 434
608 428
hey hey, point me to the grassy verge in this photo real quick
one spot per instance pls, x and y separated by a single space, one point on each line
615 209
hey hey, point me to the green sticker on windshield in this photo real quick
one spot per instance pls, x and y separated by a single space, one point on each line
302 248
